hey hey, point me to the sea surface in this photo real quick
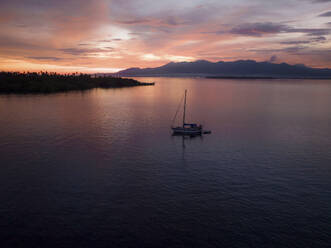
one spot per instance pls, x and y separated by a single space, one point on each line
100 168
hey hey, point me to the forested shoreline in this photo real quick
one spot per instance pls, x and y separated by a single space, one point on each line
46 82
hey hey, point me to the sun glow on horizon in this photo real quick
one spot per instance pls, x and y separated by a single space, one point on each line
21 66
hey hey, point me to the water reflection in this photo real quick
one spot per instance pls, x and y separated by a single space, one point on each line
106 159
186 137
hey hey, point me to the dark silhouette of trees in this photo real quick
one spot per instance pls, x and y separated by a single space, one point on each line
51 82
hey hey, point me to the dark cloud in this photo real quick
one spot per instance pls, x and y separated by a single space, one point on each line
133 21
164 21
291 50
265 28
273 58
82 51
304 53
295 42
75 51
318 39
258 29
326 14
310 31
45 58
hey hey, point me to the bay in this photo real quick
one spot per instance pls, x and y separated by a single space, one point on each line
101 169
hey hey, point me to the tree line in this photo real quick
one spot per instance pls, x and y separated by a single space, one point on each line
51 82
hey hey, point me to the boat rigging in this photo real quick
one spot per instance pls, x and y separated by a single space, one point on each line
187 128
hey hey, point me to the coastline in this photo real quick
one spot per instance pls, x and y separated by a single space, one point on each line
48 83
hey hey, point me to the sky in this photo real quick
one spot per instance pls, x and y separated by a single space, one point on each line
107 35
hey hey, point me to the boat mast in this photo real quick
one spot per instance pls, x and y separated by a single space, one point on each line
184 109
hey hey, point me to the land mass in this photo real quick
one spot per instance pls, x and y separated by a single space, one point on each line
235 69
44 82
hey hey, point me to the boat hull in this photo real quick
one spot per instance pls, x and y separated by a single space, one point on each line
186 131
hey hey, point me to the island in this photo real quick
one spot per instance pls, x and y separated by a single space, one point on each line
45 82
240 69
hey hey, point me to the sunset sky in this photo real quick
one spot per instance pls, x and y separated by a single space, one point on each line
106 36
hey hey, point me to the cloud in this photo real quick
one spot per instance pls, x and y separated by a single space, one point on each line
258 29
326 14
291 50
84 51
319 39
134 21
295 42
301 53
273 58
45 58
267 28
166 21
310 31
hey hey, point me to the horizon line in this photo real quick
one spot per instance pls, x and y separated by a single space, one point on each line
117 70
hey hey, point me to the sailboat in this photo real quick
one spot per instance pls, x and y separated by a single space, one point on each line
186 128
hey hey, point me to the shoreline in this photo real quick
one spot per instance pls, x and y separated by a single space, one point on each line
49 83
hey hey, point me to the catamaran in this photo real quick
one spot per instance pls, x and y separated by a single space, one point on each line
186 128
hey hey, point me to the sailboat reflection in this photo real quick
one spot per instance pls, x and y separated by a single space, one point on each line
186 138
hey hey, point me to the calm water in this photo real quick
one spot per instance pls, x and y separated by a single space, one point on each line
101 169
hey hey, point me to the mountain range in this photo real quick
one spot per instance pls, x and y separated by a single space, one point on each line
235 69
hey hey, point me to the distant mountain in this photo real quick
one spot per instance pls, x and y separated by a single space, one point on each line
236 69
